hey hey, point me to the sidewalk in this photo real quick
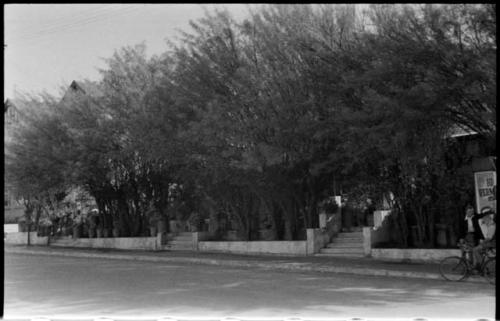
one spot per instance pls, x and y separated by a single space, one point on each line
357 266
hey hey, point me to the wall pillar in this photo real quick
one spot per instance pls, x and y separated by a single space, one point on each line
310 250
338 215
322 220
161 239
367 241
195 237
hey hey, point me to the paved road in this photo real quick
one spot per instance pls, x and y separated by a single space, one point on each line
76 287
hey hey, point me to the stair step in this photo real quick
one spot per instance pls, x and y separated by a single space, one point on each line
339 255
352 250
348 239
345 245
350 234
178 247
353 229
343 237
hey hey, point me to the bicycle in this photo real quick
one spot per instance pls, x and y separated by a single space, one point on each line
457 268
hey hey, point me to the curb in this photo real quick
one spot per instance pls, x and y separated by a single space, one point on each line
289 266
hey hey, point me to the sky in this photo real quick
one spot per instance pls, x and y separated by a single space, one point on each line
46 46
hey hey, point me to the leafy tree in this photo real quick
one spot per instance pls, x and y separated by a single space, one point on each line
264 115
409 80
34 165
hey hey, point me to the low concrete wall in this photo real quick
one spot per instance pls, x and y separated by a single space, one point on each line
123 243
414 255
20 238
374 236
256 247
11 228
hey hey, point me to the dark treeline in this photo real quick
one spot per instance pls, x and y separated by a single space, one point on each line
252 122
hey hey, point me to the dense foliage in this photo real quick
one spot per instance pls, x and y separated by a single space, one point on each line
253 124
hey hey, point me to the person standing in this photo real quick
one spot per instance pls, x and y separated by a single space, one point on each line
473 231
487 230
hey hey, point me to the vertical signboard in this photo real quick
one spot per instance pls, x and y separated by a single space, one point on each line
486 188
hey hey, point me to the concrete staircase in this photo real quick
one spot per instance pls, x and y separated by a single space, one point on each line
346 244
181 242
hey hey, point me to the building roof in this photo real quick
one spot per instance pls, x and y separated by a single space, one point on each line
81 89
87 87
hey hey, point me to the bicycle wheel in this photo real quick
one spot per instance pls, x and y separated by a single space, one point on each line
489 270
453 268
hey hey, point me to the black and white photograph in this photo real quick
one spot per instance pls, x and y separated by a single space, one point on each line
250 162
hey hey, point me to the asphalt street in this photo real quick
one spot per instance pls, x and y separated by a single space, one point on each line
36 285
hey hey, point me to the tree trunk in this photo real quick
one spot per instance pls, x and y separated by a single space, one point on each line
288 221
123 216
28 213
288 230
38 213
